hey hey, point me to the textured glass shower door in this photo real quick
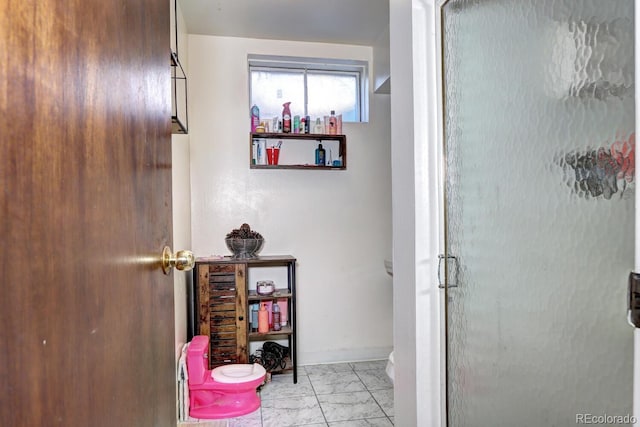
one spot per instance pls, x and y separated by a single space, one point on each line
539 210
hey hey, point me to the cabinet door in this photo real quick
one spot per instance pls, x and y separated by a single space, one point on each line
221 312
242 349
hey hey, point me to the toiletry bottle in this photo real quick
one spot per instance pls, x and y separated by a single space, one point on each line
284 311
263 319
276 316
286 118
307 124
303 125
255 118
320 155
254 317
333 125
296 124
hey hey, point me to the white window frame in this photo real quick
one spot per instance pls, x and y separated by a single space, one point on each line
357 68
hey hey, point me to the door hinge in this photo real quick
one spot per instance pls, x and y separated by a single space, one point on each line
452 261
633 309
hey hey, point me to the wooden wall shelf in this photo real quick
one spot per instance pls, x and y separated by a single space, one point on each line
302 138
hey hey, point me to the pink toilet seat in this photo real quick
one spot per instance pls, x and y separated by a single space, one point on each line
237 373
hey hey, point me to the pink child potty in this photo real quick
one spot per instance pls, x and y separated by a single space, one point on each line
225 392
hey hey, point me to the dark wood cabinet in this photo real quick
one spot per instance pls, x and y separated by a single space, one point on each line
221 299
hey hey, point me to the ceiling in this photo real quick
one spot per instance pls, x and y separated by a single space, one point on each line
357 22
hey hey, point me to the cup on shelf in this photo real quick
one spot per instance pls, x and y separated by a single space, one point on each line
273 154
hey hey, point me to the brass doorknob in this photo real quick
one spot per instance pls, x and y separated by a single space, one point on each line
182 260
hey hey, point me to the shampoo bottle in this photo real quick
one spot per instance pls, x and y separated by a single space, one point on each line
286 118
254 317
263 319
276 316
333 124
320 152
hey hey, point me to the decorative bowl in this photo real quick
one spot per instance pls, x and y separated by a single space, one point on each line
244 248
265 287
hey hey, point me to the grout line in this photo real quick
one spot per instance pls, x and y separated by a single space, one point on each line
318 400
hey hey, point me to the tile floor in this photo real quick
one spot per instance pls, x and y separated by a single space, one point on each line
336 395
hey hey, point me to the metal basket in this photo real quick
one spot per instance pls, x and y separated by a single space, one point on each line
244 248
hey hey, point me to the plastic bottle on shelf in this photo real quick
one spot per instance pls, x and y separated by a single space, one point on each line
319 127
276 316
320 155
296 124
286 118
255 118
263 319
333 124
283 305
254 317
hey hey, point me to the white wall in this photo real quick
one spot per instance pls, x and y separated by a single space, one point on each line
337 223
415 142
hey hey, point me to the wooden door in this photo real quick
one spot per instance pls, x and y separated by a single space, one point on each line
86 315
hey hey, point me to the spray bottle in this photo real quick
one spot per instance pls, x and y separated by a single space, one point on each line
286 118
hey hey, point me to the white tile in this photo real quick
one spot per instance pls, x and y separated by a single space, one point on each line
379 365
330 368
291 411
385 400
253 419
375 379
203 423
336 382
369 422
282 387
349 406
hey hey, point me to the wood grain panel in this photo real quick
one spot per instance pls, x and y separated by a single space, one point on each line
87 323
203 300
241 312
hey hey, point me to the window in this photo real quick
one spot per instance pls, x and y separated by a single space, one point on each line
313 86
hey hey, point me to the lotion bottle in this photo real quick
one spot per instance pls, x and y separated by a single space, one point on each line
333 124
276 316
283 304
263 319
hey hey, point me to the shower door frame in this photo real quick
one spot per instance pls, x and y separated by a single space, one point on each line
636 335
438 105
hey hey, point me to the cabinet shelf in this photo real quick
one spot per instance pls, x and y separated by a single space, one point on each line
278 294
340 142
257 336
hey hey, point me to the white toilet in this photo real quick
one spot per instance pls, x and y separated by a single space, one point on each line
388 265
